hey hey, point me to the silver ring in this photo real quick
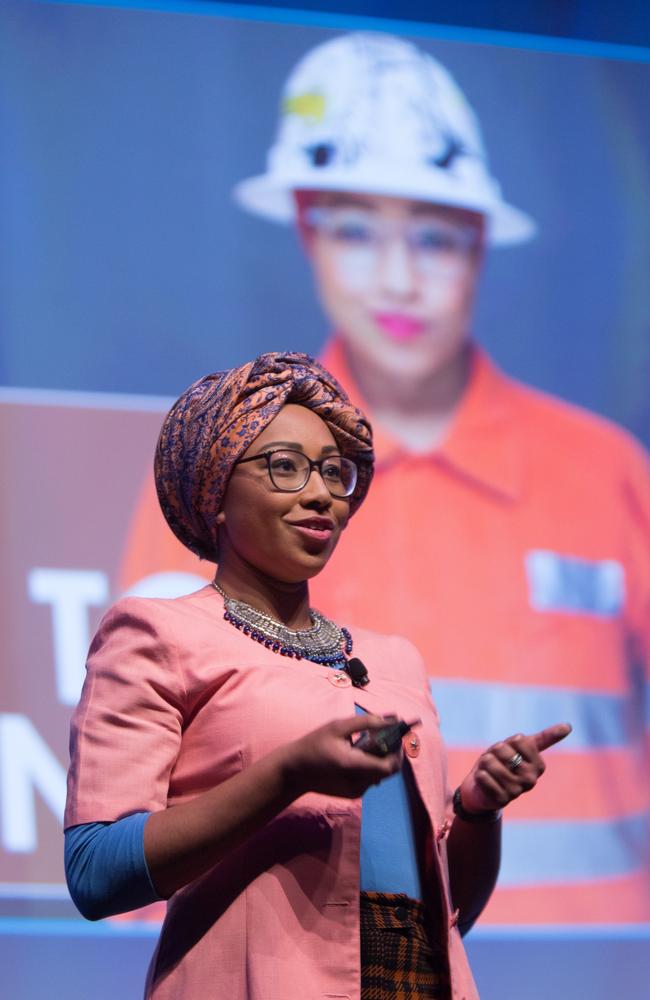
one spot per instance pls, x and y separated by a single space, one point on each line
515 761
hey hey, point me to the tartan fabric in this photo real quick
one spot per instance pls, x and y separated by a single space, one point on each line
398 959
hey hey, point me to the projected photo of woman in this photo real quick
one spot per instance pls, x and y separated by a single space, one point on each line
508 532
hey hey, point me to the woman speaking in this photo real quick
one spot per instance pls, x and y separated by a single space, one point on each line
239 754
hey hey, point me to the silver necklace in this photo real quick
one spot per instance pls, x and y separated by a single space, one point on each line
324 642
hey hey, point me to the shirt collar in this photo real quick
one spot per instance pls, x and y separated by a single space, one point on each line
484 443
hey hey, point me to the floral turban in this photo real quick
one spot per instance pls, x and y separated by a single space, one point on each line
212 424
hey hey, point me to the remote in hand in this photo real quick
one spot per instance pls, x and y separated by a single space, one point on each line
381 742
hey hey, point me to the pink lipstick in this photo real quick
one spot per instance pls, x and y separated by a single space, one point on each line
399 326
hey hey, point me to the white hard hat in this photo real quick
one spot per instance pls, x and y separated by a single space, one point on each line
371 113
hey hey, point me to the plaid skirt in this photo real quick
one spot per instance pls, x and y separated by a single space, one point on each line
398 960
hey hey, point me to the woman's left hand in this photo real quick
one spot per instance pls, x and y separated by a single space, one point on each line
508 768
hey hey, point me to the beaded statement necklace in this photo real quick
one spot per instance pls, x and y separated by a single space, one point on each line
324 642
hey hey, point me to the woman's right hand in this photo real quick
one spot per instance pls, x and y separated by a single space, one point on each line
182 842
325 761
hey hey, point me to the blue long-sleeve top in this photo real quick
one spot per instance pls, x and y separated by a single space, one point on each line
106 868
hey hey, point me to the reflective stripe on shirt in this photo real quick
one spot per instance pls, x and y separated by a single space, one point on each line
557 851
558 582
492 711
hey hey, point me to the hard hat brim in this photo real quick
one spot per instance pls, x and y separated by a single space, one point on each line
272 197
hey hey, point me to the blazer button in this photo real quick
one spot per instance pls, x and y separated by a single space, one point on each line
444 830
339 679
411 744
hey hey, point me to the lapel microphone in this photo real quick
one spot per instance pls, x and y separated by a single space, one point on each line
358 673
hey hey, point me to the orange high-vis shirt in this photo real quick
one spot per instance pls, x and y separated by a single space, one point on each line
516 556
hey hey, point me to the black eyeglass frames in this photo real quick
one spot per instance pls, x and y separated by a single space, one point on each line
289 471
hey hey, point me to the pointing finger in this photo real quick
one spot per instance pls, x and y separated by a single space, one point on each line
547 737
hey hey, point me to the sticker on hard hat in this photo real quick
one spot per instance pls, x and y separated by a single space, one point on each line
305 106
322 154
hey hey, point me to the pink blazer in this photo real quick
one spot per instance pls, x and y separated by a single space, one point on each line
175 701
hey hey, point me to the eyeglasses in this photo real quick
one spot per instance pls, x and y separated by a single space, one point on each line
435 245
289 471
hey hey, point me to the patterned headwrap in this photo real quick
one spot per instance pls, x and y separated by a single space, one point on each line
212 424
